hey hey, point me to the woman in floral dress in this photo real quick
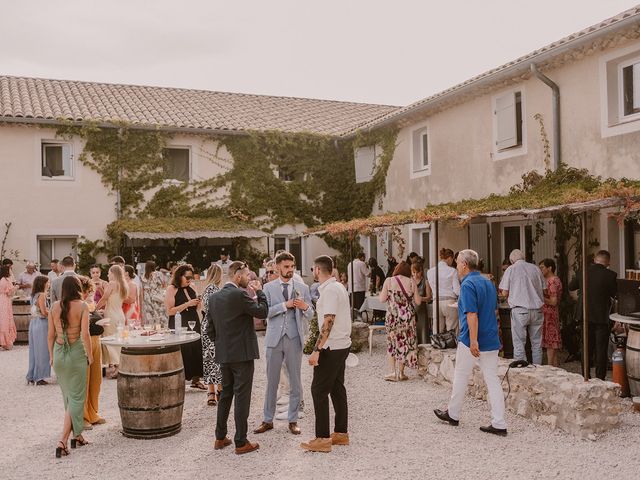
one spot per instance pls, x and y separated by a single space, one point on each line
400 292
551 339
212 373
8 331
153 287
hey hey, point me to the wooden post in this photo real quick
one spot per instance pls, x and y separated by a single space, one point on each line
353 298
585 295
436 324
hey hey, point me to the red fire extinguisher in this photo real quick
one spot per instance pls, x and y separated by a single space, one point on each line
619 369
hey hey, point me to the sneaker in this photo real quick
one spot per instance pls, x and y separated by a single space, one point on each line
338 438
317 445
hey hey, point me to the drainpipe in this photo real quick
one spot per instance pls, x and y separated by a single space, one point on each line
555 154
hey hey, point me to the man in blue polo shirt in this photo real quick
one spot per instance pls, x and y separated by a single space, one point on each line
478 343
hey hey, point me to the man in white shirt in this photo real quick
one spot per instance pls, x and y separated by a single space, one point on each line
449 290
328 359
524 285
26 278
357 273
224 262
55 270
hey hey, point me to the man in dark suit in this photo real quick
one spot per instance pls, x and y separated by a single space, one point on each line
231 312
602 287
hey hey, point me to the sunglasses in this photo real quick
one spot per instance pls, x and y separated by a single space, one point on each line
189 277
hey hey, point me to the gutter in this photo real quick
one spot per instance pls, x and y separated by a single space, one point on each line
555 154
513 70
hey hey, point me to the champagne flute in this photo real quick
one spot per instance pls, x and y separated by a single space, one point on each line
192 324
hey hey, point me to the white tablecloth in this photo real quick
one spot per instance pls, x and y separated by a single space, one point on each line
372 302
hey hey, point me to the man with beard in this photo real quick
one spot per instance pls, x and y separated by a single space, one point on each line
289 313
230 327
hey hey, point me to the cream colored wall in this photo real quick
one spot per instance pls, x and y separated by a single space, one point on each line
37 206
461 142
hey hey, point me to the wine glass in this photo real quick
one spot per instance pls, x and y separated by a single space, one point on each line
192 324
147 328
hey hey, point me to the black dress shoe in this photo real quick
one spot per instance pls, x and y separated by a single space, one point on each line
496 431
444 416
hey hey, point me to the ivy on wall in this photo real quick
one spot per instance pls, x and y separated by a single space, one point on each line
316 184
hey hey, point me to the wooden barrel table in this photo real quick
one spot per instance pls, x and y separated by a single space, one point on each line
151 384
632 360
22 317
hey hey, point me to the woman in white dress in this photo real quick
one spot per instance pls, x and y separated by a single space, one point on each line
114 294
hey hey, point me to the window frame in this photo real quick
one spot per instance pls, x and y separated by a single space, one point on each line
175 181
418 134
516 150
622 118
57 178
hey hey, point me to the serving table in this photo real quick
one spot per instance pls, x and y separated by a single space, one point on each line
632 350
151 383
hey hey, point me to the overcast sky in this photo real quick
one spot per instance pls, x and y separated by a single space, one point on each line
390 52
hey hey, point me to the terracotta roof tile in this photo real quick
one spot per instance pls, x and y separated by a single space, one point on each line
52 100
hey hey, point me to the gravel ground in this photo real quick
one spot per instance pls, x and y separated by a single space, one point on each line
394 434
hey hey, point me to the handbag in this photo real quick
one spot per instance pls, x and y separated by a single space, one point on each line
444 340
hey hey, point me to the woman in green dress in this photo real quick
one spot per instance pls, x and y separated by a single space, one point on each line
70 353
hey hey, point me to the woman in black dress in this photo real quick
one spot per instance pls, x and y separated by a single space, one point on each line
181 297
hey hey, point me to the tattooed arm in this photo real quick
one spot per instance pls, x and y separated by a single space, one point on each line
327 325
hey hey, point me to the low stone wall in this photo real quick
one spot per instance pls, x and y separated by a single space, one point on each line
545 394
359 336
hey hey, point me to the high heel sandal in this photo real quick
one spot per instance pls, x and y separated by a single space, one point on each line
212 399
79 441
62 450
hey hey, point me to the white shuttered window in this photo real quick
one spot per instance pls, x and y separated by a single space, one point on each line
508 121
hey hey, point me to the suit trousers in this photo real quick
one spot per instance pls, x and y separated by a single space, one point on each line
599 348
488 363
523 320
237 380
328 379
289 351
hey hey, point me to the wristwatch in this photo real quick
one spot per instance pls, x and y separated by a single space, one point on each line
316 349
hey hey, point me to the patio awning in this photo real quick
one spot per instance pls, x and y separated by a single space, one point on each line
192 235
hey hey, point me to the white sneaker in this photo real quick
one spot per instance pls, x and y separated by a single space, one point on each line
283 400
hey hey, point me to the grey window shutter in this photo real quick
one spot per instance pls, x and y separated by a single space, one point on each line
636 86
507 133
365 159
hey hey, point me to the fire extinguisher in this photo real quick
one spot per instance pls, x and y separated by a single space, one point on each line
619 368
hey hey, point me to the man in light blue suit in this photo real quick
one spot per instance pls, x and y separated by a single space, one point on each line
290 310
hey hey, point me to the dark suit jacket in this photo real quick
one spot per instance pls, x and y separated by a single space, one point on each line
230 323
603 286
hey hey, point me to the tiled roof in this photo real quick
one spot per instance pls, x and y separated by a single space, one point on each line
34 99
521 64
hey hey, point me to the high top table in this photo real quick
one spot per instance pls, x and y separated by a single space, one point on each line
151 383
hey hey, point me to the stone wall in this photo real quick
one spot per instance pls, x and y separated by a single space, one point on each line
548 395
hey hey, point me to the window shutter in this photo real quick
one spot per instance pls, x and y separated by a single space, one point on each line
636 86
506 131
66 159
365 159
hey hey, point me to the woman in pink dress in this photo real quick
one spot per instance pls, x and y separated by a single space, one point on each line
551 339
7 325
131 306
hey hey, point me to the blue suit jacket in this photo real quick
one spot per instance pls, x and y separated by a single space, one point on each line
277 310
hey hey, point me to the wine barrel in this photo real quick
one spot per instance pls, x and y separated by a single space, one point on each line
632 360
22 317
151 391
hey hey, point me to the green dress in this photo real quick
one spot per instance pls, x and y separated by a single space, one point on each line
70 364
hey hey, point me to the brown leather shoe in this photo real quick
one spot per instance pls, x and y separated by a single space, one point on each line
248 447
294 428
338 438
220 444
317 445
264 427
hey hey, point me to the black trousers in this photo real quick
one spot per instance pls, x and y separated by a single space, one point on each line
328 379
358 299
599 347
237 379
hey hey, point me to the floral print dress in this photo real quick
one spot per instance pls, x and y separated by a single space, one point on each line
153 308
551 327
400 325
211 369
